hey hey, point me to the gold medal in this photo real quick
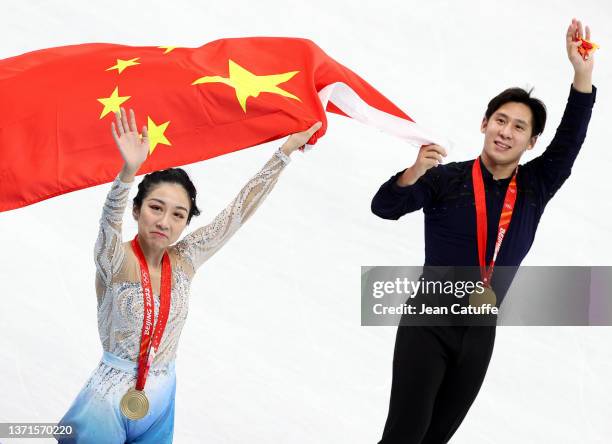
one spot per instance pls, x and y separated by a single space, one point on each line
486 297
134 404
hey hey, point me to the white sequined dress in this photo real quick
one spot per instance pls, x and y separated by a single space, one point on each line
119 292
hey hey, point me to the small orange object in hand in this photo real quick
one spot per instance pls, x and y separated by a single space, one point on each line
586 48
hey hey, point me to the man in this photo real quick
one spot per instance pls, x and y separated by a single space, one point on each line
438 370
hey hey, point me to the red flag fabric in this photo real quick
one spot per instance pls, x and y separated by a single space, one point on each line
197 103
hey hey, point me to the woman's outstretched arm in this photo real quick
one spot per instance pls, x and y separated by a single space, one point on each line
108 251
201 244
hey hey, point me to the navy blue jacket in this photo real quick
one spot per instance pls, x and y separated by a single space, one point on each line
446 195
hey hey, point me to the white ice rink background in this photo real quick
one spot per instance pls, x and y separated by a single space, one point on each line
273 350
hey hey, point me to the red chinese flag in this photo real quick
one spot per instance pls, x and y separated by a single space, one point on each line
198 103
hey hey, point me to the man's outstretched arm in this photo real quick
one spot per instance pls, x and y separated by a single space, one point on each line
554 166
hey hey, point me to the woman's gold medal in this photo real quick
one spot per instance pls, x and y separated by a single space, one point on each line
134 404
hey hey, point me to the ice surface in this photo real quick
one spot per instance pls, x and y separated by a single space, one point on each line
272 351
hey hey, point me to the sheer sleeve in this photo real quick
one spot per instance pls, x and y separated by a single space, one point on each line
198 246
108 252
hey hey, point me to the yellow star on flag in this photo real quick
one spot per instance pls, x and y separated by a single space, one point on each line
167 48
112 103
122 64
156 134
248 84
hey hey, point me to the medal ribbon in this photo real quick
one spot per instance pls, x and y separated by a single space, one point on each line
148 346
481 219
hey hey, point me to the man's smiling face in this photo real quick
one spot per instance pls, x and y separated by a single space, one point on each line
508 133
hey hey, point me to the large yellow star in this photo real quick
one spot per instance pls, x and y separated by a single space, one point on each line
122 64
248 84
156 134
167 48
112 103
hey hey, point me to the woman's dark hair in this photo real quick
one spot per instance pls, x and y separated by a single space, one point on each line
171 175
537 107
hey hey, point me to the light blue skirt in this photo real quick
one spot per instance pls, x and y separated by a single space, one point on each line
95 416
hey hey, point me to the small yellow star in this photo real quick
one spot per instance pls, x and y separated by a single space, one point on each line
248 84
122 64
167 48
112 103
156 134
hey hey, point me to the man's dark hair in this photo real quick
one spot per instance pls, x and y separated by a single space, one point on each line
519 95
171 175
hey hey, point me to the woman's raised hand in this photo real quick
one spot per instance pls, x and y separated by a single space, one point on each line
133 148
298 140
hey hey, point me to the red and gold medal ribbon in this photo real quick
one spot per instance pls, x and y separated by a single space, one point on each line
481 219
149 340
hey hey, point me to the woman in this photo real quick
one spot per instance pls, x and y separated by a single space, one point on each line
143 289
